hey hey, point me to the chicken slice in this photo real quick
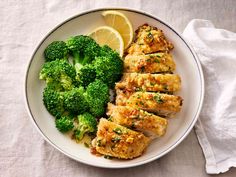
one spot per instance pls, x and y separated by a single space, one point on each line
120 142
151 125
122 96
161 104
150 82
149 40
150 63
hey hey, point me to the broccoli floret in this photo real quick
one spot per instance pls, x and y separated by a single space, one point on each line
74 101
86 75
106 51
64 124
97 96
108 69
83 49
56 50
87 124
53 101
58 72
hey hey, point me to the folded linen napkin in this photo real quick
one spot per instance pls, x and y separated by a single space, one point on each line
216 127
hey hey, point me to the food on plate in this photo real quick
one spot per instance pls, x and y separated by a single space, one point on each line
56 50
118 141
121 23
150 82
97 96
150 124
58 74
159 103
82 72
149 63
149 39
122 96
106 35
87 123
78 74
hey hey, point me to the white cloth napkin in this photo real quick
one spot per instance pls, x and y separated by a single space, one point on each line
216 127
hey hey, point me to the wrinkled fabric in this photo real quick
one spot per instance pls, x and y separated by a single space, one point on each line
216 49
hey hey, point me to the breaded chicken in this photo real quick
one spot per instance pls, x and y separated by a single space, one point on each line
150 82
117 141
161 104
151 125
122 96
149 40
150 63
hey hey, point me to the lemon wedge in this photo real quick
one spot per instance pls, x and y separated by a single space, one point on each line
121 23
106 35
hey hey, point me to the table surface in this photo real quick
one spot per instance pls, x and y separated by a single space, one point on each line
23 24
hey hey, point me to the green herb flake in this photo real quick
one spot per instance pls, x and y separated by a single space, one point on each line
86 145
116 139
132 125
158 98
152 83
118 131
138 89
156 61
108 157
141 103
158 55
150 36
110 118
142 69
165 87
99 143
138 96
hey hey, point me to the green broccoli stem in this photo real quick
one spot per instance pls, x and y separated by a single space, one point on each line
80 132
77 57
78 66
85 60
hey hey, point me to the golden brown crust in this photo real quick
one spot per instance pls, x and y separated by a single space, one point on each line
149 40
150 82
162 104
117 141
151 63
136 119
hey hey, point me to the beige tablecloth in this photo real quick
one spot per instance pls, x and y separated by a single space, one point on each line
23 152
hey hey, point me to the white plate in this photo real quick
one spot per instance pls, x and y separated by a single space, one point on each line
188 67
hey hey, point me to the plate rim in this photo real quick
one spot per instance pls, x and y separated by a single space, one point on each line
112 166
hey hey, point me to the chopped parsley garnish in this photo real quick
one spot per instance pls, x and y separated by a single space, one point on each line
118 131
158 98
156 61
108 157
142 69
150 36
99 143
86 145
116 139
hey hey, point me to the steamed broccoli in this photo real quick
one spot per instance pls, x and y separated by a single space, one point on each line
97 96
84 50
53 101
106 51
56 50
64 123
58 72
86 75
74 101
108 69
87 124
